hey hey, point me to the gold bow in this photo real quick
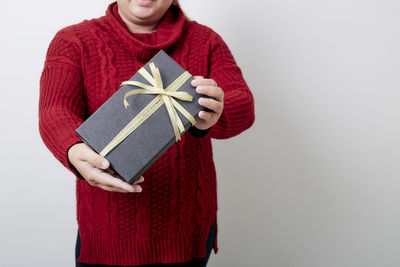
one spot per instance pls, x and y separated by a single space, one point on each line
163 96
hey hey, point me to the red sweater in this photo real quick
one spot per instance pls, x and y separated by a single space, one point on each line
170 219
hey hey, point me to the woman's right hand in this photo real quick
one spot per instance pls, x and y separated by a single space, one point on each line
93 168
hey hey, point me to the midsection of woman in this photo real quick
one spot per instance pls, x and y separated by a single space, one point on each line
169 220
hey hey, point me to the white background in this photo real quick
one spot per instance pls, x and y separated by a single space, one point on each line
314 183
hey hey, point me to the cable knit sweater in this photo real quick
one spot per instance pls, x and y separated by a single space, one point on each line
170 219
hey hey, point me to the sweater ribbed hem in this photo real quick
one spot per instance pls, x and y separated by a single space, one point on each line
122 252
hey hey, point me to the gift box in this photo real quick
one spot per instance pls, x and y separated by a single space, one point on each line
138 123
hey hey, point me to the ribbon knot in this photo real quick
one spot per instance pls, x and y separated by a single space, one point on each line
164 96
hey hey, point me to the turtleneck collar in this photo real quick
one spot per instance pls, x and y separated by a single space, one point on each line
146 45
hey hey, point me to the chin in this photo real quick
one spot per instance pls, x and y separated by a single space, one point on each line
143 11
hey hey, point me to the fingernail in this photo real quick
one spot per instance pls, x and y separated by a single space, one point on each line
104 164
193 82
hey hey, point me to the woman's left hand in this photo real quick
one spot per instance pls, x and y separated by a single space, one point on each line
210 88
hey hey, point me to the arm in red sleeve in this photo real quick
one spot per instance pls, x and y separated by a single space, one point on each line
61 100
238 114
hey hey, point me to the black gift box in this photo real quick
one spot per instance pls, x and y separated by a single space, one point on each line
141 148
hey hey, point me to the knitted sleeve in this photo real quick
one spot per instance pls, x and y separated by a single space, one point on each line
238 113
61 100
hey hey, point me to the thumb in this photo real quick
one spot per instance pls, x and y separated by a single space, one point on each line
96 160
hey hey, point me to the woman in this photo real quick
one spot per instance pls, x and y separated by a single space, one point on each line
169 215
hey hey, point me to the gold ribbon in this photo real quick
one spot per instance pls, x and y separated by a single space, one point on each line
164 96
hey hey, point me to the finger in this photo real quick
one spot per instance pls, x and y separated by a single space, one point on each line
204 115
208 82
95 159
136 188
141 179
113 189
111 181
197 81
211 104
212 91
